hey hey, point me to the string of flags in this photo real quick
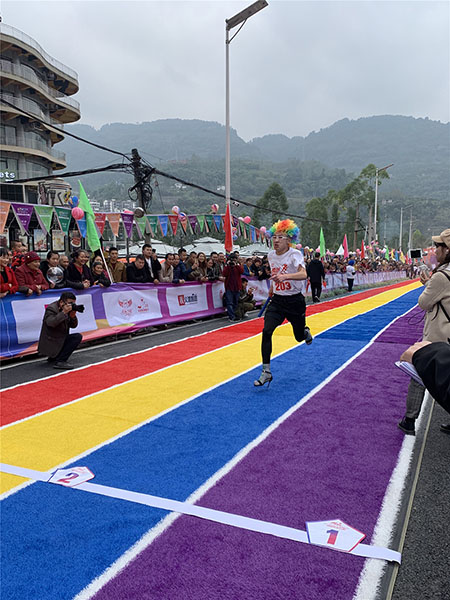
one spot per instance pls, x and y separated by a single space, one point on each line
60 217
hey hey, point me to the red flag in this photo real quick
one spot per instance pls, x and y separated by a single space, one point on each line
228 231
345 246
362 250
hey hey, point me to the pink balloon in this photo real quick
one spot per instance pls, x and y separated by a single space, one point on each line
77 213
247 219
175 210
298 246
241 218
263 229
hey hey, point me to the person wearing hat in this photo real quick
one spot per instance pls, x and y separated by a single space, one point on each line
30 277
287 301
435 300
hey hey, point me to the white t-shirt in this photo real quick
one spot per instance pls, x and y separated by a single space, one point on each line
350 272
288 262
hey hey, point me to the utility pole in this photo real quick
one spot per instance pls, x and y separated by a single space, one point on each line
401 229
140 177
410 233
355 233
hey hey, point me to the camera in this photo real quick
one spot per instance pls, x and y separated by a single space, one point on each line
232 258
78 308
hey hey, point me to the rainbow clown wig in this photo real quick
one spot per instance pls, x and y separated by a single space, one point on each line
288 228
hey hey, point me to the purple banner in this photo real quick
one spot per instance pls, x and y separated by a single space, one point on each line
127 220
193 222
23 214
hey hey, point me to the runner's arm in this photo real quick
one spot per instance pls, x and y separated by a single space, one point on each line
299 275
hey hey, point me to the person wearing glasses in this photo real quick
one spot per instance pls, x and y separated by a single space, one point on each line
435 300
287 268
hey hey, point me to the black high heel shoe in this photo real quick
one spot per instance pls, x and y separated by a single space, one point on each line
265 377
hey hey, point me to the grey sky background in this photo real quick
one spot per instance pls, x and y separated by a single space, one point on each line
296 66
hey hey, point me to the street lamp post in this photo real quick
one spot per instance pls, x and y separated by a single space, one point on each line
377 171
237 19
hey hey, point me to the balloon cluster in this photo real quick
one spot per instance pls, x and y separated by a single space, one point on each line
77 212
181 215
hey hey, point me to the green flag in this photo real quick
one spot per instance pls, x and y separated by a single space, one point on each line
386 254
91 230
322 243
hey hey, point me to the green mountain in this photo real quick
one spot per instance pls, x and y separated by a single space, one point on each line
419 149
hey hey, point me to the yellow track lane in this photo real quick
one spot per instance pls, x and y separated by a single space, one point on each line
55 437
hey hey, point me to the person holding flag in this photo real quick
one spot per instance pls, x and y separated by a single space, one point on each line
287 267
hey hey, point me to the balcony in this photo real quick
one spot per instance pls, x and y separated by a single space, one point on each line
26 76
7 30
27 144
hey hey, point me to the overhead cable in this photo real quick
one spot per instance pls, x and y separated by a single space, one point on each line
62 131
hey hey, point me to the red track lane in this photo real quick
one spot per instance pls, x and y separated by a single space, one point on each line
31 398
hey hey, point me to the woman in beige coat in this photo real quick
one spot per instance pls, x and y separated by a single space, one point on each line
435 300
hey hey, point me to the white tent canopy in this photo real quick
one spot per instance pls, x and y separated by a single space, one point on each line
259 249
207 245
161 248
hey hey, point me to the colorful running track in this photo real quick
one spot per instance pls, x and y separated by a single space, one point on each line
184 421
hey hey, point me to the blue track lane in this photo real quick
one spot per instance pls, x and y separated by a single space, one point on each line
55 540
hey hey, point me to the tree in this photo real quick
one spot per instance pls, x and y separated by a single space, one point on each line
275 200
418 239
335 231
317 217
360 191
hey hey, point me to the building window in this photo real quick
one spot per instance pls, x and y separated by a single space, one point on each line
11 193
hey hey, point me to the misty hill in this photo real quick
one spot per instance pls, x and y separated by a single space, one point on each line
419 149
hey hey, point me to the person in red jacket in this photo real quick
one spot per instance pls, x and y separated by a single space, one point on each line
30 277
233 284
8 281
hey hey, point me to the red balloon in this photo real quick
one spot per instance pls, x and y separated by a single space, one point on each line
77 213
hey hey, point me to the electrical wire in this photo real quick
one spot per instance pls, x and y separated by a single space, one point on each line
239 202
62 131
116 167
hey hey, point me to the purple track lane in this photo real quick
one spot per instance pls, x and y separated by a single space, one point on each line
333 458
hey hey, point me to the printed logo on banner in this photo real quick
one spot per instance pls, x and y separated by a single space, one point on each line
125 304
29 312
143 306
131 306
192 301
183 300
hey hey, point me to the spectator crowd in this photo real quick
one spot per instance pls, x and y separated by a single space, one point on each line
22 271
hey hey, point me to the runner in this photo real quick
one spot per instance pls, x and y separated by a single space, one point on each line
287 301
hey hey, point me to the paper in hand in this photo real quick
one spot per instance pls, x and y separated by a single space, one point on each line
410 370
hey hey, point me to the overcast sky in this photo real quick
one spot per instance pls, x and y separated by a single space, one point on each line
296 66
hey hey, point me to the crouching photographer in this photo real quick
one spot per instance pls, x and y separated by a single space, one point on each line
55 341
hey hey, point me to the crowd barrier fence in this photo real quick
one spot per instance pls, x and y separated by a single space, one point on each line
127 307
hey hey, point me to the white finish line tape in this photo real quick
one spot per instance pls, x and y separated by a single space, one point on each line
281 531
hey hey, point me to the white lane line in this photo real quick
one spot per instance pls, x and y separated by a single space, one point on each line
153 533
